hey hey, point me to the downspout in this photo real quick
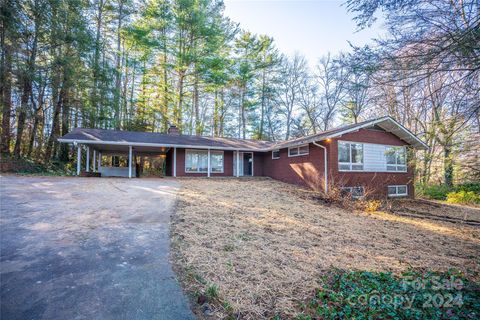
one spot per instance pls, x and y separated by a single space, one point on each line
326 165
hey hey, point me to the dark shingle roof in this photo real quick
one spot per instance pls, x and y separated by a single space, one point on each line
126 137
103 136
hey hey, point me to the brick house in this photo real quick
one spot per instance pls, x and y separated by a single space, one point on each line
370 157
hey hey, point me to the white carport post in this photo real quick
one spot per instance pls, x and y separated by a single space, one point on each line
208 164
238 163
79 158
87 165
99 160
175 161
94 163
129 161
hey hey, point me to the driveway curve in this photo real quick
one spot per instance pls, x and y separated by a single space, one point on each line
87 248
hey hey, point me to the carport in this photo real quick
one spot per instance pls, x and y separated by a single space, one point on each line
94 152
171 146
98 143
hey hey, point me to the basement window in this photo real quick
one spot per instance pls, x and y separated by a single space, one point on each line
355 192
276 154
397 191
298 151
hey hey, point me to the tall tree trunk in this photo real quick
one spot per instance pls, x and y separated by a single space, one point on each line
132 94
36 118
118 78
178 112
243 114
215 114
198 123
448 164
27 78
52 140
165 85
96 67
221 120
22 113
65 126
262 116
6 94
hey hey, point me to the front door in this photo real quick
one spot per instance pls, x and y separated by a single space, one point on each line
245 165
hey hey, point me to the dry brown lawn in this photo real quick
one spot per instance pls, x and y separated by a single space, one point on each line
265 244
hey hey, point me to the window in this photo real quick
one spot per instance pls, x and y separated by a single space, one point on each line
298 151
197 161
397 191
350 156
355 192
396 159
276 154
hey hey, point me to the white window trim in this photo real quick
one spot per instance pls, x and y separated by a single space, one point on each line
298 150
350 189
276 150
396 164
378 144
396 189
352 163
206 152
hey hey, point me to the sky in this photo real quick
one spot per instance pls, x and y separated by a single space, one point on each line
310 27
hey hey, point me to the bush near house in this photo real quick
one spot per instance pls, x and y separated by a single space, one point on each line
465 197
27 166
467 193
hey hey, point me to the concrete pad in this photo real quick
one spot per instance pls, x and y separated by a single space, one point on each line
87 248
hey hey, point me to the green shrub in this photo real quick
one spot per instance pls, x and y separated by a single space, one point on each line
463 197
378 295
441 191
437 192
471 186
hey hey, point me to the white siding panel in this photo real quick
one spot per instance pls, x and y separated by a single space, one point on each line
374 157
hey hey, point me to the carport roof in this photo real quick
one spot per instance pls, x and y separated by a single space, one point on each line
154 139
115 138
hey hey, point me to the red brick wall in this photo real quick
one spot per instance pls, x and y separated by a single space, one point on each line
304 170
375 183
258 165
309 170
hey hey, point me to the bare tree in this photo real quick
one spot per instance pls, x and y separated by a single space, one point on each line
357 88
331 77
293 73
309 101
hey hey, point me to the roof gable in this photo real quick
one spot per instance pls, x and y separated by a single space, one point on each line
387 124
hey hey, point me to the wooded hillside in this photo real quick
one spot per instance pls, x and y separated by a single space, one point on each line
143 65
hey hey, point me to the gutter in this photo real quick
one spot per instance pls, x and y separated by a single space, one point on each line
166 145
326 165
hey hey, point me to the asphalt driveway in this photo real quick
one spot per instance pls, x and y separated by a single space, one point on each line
87 248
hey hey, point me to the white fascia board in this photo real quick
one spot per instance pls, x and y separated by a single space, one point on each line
408 132
166 145
398 125
321 137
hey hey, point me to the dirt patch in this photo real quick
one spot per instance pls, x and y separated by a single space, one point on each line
265 244
426 209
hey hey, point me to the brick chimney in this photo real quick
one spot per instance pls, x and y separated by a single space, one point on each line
173 130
